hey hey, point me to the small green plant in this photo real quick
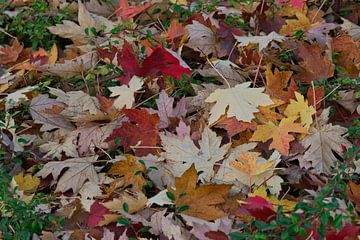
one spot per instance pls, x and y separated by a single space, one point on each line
30 25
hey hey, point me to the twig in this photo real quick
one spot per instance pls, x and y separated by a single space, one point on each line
6 33
257 70
317 12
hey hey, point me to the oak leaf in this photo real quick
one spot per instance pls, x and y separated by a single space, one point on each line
279 134
323 141
131 170
200 201
300 108
141 130
240 101
79 170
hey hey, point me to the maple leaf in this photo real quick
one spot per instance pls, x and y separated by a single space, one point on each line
166 62
16 98
263 41
26 182
131 170
175 30
166 110
47 111
73 67
323 140
233 126
65 144
249 170
315 66
9 54
161 60
181 153
300 108
202 39
69 29
200 201
140 131
349 54
79 170
279 134
269 113
276 83
126 93
241 101
293 25
257 207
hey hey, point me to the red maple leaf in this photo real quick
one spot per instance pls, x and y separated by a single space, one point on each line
161 61
259 208
347 232
141 130
126 11
299 4
97 212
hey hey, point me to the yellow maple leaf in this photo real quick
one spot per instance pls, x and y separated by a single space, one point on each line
250 171
131 172
300 108
268 113
27 182
200 201
293 25
279 134
261 192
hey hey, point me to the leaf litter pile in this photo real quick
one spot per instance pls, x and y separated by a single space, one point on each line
181 120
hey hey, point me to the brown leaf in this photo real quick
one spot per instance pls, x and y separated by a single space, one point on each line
201 201
131 171
233 126
353 192
10 54
315 66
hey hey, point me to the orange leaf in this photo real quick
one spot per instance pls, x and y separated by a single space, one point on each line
233 126
279 134
276 83
201 201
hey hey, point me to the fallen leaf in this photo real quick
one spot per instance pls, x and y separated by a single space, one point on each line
16 98
126 93
240 101
286 204
299 4
134 200
233 126
9 54
27 182
131 170
79 170
263 41
181 153
140 131
300 108
293 25
200 201
75 32
277 82
279 134
88 192
316 96
315 66
323 140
